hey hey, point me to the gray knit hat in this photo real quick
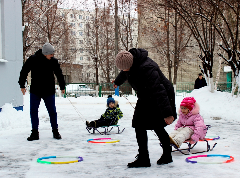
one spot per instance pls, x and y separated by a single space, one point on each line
47 49
124 60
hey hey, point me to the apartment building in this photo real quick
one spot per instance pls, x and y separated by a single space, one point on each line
78 20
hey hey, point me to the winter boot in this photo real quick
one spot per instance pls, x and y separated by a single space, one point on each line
56 134
88 124
34 135
165 159
93 124
166 156
173 141
141 161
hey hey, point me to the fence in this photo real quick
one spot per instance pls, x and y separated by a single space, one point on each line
89 89
184 88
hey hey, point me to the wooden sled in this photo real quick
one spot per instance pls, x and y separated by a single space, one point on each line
187 151
107 129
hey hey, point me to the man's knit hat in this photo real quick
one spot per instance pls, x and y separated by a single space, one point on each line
124 60
47 49
188 102
109 100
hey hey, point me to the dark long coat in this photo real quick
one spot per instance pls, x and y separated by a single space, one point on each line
156 97
42 74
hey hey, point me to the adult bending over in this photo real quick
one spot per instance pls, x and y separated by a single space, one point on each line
155 106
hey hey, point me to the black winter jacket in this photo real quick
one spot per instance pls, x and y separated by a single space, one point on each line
200 83
42 74
156 97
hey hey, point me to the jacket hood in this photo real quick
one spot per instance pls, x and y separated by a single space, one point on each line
139 55
115 105
194 111
39 52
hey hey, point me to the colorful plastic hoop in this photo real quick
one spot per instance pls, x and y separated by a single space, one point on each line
92 140
209 139
79 159
214 155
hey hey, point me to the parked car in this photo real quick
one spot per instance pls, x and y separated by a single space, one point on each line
79 90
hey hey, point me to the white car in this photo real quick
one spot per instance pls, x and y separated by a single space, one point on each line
79 90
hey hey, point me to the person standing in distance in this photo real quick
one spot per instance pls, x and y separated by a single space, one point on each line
43 66
200 82
155 106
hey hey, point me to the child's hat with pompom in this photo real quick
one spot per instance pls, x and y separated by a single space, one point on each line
110 99
188 102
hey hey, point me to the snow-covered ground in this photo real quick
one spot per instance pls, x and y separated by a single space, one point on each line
18 157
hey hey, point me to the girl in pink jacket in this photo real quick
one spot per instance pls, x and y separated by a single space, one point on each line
190 124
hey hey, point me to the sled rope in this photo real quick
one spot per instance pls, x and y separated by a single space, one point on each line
79 114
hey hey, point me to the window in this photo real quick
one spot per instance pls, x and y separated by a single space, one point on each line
81 58
80 25
88 74
88 58
80 41
87 17
63 15
73 33
80 33
72 24
80 16
72 15
81 50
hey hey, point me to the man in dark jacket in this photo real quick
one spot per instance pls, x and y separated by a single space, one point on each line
43 66
155 107
200 82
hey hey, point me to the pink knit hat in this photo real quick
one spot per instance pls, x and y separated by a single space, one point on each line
188 102
124 60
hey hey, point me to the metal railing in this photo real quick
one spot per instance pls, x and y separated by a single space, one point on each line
89 89
184 88
224 86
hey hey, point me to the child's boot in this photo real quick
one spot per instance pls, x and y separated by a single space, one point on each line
56 134
34 135
87 124
173 141
142 160
93 124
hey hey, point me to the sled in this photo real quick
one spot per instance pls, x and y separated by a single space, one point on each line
187 151
106 129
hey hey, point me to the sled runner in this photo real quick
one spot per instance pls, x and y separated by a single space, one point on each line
187 151
106 129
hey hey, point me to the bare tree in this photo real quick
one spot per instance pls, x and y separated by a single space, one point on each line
100 41
126 21
167 34
202 30
43 23
228 29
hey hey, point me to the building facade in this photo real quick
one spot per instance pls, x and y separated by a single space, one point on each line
80 20
11 52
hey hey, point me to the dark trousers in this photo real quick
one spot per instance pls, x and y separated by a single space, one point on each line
142 140
51 108
103 122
